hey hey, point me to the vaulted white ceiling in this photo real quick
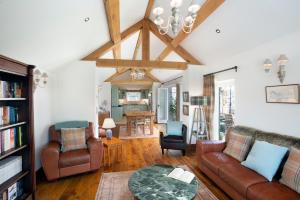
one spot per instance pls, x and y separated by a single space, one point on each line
51 33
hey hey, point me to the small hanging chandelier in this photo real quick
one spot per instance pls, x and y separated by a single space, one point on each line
176 20
137 74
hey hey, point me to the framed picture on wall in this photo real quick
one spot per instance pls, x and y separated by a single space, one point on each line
283 94
185 96
185 110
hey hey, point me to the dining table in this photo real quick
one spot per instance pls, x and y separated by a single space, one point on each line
134 115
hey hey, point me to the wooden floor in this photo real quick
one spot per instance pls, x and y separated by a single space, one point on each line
137 153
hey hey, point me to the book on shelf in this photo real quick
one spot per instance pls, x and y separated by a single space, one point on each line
9 115
10 167
11 138
3 196
13 192
10 89
182 175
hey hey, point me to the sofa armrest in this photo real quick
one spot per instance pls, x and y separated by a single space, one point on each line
96 152
50 158
206 146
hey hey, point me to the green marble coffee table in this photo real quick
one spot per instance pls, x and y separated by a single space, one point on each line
152 183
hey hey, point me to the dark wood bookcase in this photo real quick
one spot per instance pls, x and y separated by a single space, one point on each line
15 71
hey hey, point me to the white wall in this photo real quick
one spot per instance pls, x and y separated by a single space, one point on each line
42 118
251 107
74 93
105 87
191 82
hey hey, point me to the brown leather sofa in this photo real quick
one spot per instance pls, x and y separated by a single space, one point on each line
238 181
57 164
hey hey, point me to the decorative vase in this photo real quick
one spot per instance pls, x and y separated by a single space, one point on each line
109 134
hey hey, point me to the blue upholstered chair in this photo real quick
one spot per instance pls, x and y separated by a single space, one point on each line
175 137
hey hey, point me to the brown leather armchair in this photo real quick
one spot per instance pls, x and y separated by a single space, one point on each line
58 164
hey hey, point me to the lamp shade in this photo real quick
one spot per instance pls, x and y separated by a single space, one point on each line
108 123
282 60
199 101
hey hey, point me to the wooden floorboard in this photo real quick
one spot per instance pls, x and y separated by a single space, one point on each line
137 153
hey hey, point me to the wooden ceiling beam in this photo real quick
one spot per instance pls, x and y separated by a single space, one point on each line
110 45
112 8
205 11
149 9
146 41
132 82
137 46
143 64
167 40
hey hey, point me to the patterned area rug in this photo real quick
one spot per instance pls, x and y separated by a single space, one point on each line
114 186
139 133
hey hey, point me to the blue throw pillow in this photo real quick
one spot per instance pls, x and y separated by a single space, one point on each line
174 128
265 158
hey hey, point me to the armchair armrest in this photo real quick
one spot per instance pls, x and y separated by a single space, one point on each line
50 158
96 152
184 133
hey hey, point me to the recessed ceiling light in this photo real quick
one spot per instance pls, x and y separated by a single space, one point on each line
218 30
86 19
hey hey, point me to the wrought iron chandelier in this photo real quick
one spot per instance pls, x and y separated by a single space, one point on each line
176 20
137 74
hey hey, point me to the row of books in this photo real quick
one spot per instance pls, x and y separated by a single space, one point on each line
13 192
10 138
10 89
9 115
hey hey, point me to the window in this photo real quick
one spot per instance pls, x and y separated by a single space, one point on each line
133 96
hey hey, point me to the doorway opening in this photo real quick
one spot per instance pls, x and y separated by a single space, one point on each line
168 107
173 103
225 107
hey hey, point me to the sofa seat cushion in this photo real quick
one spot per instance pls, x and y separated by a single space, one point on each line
240 177
271 191
173 139
75 157
214 160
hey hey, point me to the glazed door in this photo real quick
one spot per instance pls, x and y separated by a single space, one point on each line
162 105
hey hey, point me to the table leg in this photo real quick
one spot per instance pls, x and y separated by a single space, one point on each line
151 125
129 126
109 156
120 152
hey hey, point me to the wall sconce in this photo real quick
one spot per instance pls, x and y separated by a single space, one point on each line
39 79
282 61
267 65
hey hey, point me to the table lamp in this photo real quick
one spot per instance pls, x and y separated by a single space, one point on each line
108 124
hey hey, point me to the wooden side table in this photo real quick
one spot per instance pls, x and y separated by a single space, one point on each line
113 150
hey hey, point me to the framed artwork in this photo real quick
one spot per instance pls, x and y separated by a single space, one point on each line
283 94
185 110
185 96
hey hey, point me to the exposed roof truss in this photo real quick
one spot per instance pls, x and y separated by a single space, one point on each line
145 26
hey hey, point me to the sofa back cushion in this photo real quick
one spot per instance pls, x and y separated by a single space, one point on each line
238 146
273 138
291 172
55 135
265 158
73 139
